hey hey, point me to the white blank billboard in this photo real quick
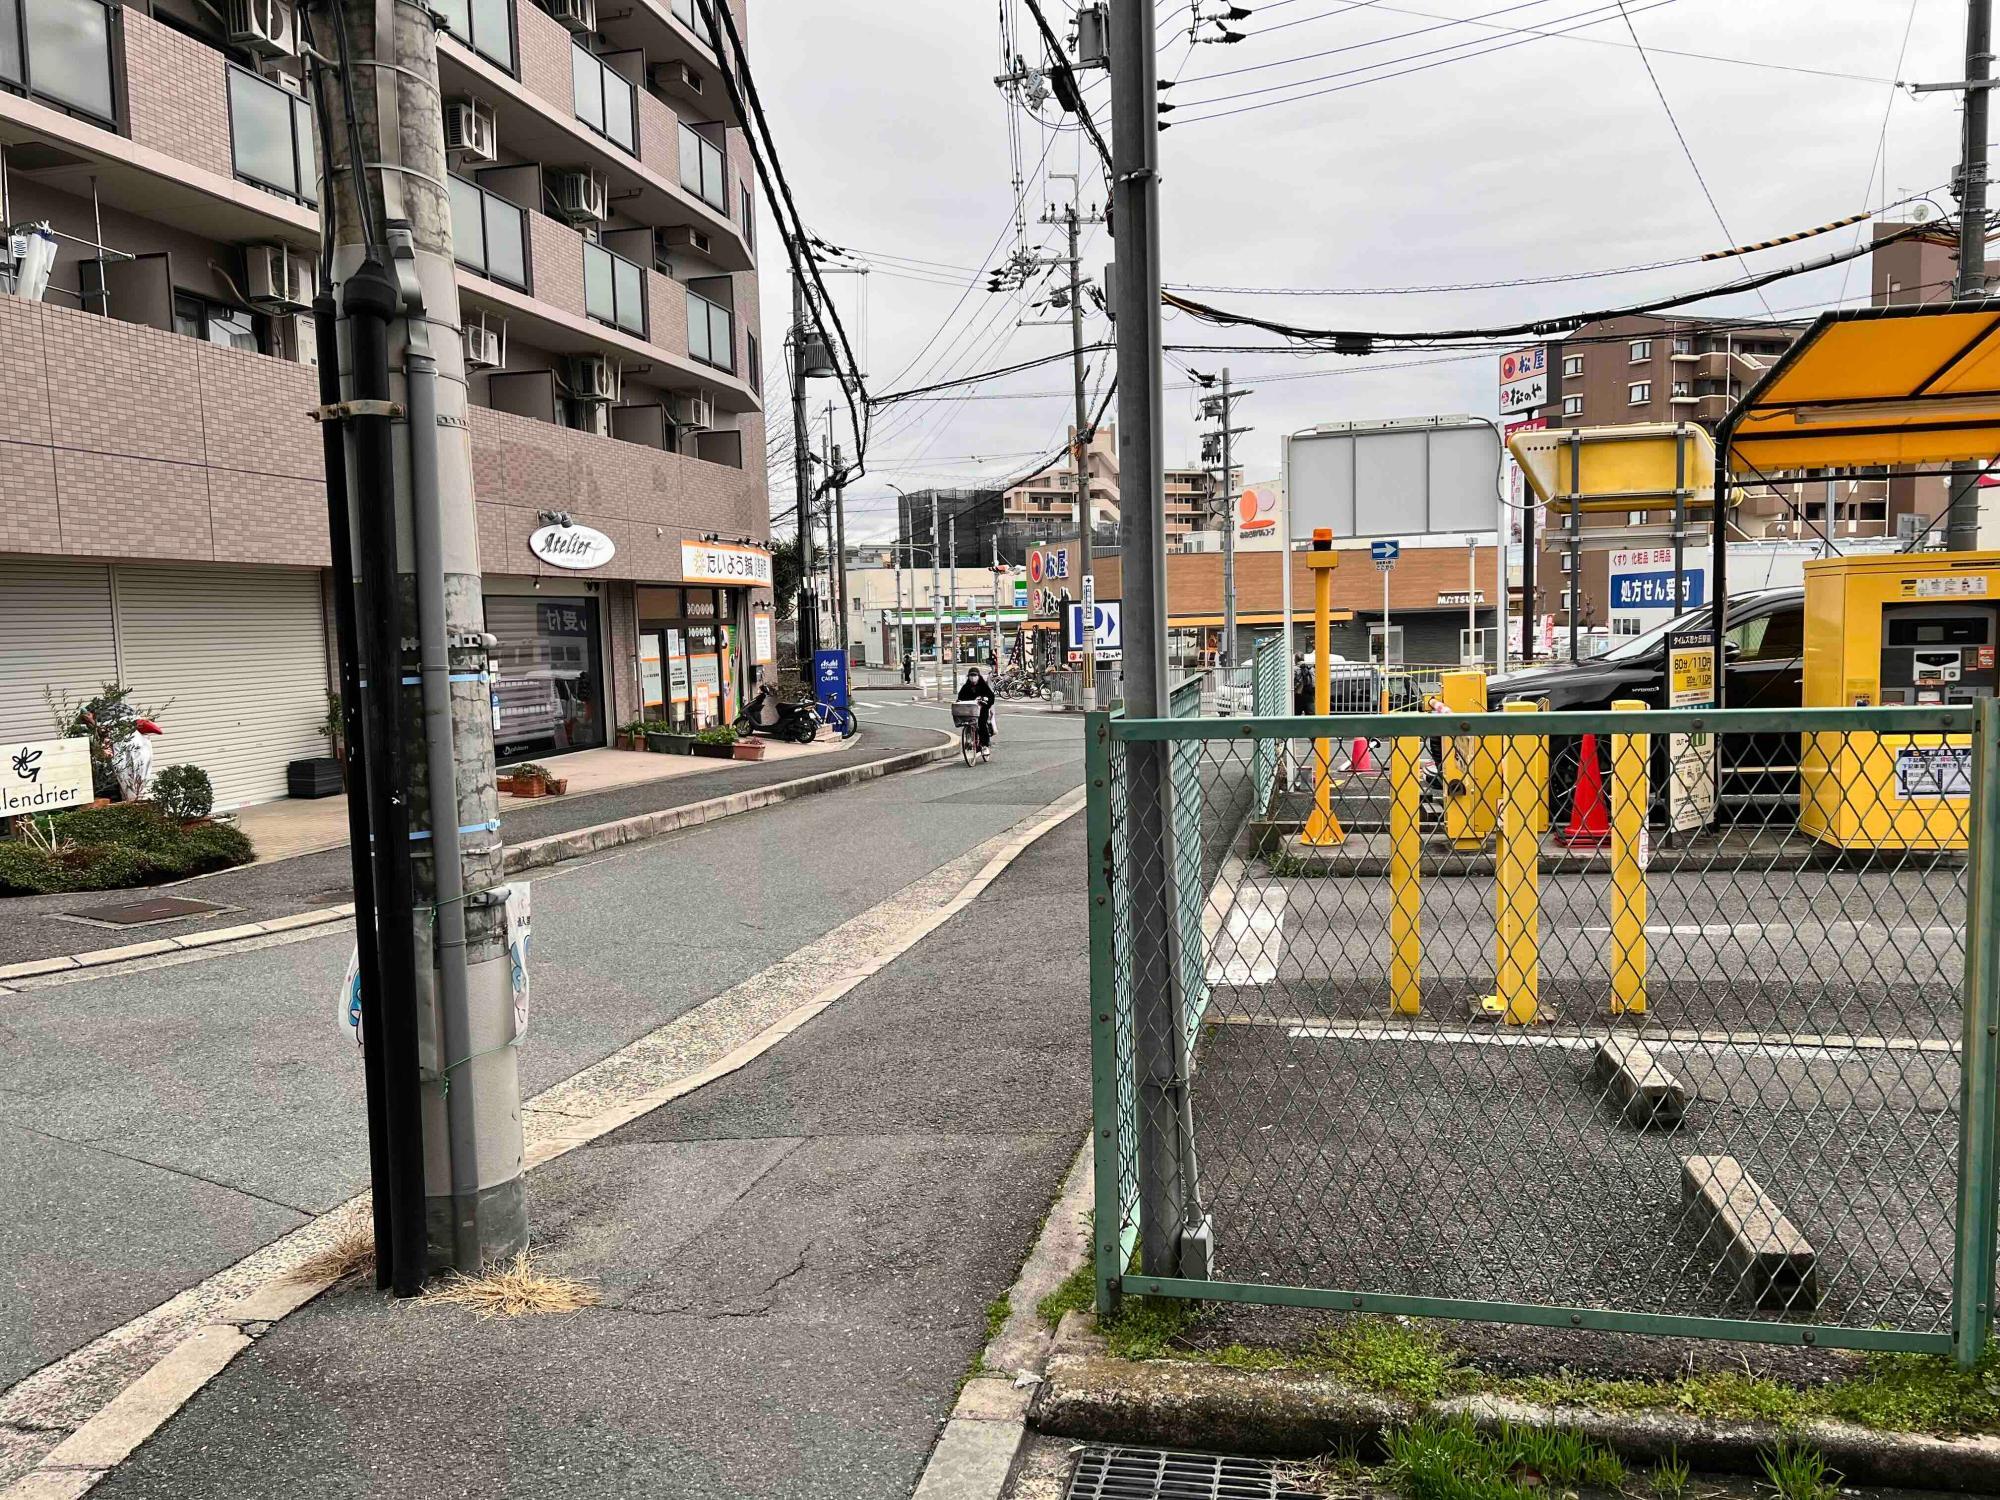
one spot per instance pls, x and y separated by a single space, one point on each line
1394 478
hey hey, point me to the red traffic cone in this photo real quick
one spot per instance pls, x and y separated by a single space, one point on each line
1361 759
1589 813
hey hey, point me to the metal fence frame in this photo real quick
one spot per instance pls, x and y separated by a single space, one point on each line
1116 1123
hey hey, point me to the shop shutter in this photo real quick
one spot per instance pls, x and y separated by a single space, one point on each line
234 660
55 632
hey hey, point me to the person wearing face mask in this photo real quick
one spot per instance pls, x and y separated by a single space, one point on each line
976 689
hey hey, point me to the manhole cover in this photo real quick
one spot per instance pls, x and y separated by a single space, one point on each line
139 913
1161 1474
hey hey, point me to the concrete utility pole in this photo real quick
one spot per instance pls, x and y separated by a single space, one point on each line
1962 533
806 612
954 596
937 605
1174 1238
441 1006
1223 407
840 537
1073 220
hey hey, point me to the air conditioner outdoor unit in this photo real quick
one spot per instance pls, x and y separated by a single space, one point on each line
695 410
470 131
577 15
686 77
687 237
592 377
265 27
583 195
298 339
482 348
591 416
278 276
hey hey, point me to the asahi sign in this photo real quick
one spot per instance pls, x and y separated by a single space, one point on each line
577 548
44 776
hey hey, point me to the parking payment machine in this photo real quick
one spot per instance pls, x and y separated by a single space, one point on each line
1896 630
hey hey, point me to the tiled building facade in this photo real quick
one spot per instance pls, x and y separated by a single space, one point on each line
158 464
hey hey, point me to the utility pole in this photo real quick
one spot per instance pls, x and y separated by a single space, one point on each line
839 476
937 604
1220 445
896 558
954 596
1174 1239
1073 219
807 611
437 996
1962 533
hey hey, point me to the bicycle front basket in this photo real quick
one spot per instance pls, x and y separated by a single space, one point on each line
965 713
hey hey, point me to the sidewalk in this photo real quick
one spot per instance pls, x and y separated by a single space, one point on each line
39 927
795 1264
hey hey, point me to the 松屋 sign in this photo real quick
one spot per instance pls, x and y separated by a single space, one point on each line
578 548
1524 379
725 562
44 776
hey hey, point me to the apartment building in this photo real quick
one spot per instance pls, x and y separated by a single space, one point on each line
1050 496
168 522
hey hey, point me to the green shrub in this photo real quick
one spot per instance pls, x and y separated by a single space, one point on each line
721 734
111 848
183 792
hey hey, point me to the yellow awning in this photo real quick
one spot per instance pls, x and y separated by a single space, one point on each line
1880 385
1632 467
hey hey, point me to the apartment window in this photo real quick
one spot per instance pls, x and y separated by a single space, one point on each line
701 169
1682 388
486 26
59 51
711 335
614 289
1636 517
270 136
1572 406
1564 605
1641 349
1639 392
749 221
488 234
216 322
690 14
1565 560
754 362
1573 365
1683 346
605 100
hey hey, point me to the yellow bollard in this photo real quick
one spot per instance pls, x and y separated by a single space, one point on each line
1405 889
1323 829
1631 775
1517 875
1471 778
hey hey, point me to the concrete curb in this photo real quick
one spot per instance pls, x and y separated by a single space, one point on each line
1093 1396
175 1376
532 854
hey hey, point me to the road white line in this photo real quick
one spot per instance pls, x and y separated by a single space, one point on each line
73 1406
1245 950
1781 1048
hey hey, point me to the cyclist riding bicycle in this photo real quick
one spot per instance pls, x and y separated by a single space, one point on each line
976 689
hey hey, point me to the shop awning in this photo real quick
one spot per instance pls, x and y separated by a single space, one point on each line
1909 386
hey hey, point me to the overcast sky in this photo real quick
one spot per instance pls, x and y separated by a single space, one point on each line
1485 161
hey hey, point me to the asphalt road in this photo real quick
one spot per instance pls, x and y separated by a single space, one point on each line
795 1261
155 1126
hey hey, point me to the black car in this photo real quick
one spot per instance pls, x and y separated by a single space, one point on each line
1764 647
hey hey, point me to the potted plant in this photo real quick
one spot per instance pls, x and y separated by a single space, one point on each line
526 780
718 743
632 736
663 739
747 748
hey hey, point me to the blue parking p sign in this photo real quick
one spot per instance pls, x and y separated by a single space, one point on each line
830 678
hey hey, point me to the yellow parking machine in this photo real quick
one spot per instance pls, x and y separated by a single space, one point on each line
1900 630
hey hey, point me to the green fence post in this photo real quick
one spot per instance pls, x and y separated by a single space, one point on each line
1106 1128
1973 1254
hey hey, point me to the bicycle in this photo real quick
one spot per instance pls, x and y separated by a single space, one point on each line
837 717
966 717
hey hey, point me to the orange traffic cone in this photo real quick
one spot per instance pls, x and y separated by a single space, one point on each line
1589 813
1361 758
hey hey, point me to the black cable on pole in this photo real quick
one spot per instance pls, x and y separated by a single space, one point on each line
1013 369
1060 60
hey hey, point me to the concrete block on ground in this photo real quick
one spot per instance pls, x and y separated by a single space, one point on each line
1770 1254
1647 1094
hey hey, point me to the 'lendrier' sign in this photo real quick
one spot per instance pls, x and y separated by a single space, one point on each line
43 776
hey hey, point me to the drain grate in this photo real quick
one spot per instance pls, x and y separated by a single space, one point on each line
1162 1474
139 913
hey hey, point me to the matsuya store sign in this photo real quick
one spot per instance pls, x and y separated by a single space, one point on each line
725 562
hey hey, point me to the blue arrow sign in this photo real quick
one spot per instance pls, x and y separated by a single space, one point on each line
1385 553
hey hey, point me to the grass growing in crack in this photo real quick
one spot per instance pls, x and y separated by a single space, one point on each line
1452 1460
1799 1473
1076 1293
1671 1477
514 1290
998 1311
348 1253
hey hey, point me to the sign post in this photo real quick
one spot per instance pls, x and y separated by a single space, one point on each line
1691 758
1385 554
44 776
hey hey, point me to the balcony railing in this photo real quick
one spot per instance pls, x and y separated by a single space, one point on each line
59 51
711 332
488 234
702 169
693 14
614 289
486 26
271 136
605 100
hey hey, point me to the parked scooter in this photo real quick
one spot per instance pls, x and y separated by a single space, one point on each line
767 714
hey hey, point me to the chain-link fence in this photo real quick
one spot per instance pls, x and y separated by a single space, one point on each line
1638 1020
